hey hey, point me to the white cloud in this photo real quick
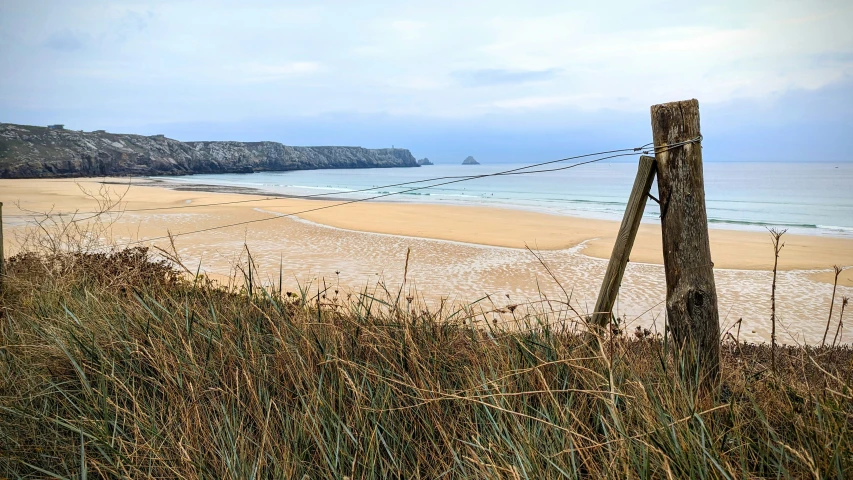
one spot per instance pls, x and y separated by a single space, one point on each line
220 61
406 29
541 102
259 72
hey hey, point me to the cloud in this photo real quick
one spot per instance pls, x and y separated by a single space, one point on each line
497 76
536 102
131 23
135 21
407 29
263 72
419 59
65 41
512 65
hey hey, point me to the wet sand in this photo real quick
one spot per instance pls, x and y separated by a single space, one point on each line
457 252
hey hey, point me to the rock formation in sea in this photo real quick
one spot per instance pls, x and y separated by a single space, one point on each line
42 152
470 161
425 161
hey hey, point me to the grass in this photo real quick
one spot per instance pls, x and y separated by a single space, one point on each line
112 365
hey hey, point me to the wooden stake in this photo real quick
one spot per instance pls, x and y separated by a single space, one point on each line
691 295
624 241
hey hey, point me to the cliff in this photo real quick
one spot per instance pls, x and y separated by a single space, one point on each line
39 152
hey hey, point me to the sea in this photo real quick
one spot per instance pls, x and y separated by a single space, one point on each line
804 198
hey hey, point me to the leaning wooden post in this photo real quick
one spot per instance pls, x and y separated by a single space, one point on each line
691 296
624 241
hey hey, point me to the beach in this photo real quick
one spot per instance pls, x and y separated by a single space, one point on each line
463 253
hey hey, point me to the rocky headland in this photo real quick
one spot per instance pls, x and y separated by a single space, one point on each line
41 152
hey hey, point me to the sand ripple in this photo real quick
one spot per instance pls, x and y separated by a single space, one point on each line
461 271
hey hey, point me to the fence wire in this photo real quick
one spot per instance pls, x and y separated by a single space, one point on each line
443 180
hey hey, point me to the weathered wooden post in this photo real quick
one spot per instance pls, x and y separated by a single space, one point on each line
624 241
691 296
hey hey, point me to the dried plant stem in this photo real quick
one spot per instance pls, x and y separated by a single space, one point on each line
831 303
775 237
2 258
405 277
844 301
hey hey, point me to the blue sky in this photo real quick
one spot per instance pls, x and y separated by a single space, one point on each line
502 81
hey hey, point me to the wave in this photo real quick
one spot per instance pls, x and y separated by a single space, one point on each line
763 224
459 195
309 187
835 227
597 202
782 203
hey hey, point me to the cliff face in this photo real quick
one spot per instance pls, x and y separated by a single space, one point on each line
39 152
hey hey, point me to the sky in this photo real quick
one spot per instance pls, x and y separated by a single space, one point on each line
502 81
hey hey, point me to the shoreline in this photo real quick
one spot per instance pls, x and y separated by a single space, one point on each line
478 225
801 229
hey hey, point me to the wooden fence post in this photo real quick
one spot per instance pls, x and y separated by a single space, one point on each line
691 295
624 241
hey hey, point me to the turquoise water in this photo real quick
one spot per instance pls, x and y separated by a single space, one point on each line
805 198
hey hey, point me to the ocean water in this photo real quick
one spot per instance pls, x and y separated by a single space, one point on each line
805 198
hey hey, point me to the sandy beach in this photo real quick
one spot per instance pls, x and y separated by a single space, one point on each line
458 252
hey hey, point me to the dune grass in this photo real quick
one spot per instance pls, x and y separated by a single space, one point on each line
112 365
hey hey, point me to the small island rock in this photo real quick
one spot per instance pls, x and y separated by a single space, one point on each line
470 161
425 161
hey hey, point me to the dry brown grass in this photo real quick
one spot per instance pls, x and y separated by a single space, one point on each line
114 366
